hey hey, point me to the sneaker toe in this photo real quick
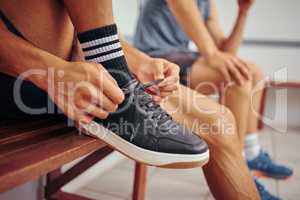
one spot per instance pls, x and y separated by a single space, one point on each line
184 142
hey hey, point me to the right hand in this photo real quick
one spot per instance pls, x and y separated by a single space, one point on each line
155 69
231 67
84 91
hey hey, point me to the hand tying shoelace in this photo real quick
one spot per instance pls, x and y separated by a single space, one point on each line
145 101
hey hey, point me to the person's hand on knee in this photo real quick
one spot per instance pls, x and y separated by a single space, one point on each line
232 68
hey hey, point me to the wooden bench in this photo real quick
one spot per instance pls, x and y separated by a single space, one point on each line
30 148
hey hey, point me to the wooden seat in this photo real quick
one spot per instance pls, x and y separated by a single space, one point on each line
30 148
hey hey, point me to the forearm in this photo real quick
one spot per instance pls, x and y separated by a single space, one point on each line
134 57
18 56
190 19
233 42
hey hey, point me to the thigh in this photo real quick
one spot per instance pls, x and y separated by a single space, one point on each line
206 118
187 105
203 78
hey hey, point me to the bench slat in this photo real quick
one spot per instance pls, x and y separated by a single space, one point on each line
29 134
15 129
37 150
22 144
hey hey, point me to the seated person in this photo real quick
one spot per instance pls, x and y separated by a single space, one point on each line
102 88
43 45
165 28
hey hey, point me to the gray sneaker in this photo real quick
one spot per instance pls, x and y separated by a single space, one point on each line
143 131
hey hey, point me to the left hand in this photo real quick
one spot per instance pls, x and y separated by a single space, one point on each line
245 5
156 69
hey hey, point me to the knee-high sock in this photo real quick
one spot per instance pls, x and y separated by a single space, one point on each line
102 45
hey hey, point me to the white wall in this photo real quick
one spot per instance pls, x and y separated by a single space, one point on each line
269 19
126 14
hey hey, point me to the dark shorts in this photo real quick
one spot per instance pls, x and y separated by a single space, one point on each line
184 60
31 95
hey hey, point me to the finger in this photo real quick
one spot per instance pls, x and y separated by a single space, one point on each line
111 90
169 88
83 119
102 70
245 63
159 70
96 97
172 69
95 111
78 117
110 77
91 109
243 68
225 74
157 98
235 73
153 89
169 81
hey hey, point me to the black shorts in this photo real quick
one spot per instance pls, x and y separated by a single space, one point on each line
30 95
184 60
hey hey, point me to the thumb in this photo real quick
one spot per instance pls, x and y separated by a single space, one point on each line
159 70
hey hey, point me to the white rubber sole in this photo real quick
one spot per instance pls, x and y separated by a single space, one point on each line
166 160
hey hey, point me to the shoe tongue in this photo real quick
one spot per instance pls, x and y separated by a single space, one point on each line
133 85
130 86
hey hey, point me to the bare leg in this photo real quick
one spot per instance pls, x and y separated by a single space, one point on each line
256 99
89 15
227 174
236 98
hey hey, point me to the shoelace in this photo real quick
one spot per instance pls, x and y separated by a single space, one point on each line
145 100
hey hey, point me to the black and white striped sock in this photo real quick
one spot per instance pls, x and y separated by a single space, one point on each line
102 45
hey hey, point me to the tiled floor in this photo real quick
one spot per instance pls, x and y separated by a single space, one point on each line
190 184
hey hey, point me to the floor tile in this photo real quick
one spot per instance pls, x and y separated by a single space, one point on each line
177 184
97 195
117 182
129 165
287 151
194 176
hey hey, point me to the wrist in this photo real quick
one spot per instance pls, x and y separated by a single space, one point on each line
45 74
211 55
243 12
139 64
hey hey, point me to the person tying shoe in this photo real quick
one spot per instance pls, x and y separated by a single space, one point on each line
97 93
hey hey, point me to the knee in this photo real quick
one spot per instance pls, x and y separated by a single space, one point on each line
257 73
243 90
224 134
